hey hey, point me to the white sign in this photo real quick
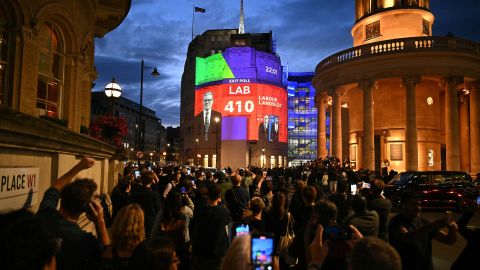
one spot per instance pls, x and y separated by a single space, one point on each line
18 187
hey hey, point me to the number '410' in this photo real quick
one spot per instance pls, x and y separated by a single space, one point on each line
237 106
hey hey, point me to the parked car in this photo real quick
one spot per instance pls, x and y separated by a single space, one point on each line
440 190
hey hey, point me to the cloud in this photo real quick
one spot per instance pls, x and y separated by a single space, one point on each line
305 31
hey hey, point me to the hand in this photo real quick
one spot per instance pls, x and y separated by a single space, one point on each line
86 163
318 248
96 212
356 233
452 227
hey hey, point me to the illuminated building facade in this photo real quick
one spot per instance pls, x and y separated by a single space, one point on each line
412 98
46 75
233 103
302 118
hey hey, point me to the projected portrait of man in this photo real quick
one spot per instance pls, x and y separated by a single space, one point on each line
274 129
206 120
263 129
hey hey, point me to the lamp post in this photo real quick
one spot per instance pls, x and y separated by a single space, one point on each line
141 134
112 91
196 147
217 120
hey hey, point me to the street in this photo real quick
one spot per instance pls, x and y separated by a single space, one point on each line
444 255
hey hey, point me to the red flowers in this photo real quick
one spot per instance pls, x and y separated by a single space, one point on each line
109 129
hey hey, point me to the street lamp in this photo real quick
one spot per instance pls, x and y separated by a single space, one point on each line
141 135
113 90
217 120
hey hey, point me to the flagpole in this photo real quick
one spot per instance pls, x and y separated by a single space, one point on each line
193 18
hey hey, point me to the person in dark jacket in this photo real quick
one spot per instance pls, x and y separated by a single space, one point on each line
469 255
149 200
378 203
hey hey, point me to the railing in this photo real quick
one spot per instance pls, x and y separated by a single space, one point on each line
402 45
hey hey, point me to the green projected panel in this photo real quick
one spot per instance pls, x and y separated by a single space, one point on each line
212 68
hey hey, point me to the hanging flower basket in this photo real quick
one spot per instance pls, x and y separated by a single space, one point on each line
109 129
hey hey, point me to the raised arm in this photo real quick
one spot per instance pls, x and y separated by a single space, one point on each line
83 164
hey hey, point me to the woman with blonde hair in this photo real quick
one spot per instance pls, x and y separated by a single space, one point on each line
127 232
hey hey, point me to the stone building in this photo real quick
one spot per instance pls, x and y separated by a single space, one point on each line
46 75
412 98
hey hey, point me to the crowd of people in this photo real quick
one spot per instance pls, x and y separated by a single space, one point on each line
321 215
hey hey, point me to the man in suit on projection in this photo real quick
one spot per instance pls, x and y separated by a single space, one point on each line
208 121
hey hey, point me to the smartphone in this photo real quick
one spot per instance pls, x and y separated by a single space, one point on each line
242 229
353 189
262 251
478 200
137 173
269 178
87 209
338 233
183 190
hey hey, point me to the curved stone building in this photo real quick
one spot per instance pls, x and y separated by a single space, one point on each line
409 97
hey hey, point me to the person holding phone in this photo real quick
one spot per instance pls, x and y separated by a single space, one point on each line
243 248
79 248
411 235
469 255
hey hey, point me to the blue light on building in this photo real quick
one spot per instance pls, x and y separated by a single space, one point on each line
302 118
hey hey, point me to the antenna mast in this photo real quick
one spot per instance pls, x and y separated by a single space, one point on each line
241 27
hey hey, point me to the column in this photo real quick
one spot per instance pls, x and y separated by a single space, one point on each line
451 124
475 127
337 123
368 151
320 102
464 134
411 144
330 153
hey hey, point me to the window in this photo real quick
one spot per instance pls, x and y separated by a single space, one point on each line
272 162
372 30
205 161
396 151
50 78
426 27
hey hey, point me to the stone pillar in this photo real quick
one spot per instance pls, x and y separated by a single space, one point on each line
359 152
411 144
464 134
475 127
330 131
320 102
337 123
368 150
451 124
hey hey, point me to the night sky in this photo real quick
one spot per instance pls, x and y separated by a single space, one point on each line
306 32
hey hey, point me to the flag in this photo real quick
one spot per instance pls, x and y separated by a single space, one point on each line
199 9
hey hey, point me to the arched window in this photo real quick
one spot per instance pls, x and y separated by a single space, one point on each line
50 73
3 58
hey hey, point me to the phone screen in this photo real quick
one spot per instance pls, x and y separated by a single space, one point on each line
137 173
337 233
262 252
183 190
478 200
353 189
242 229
